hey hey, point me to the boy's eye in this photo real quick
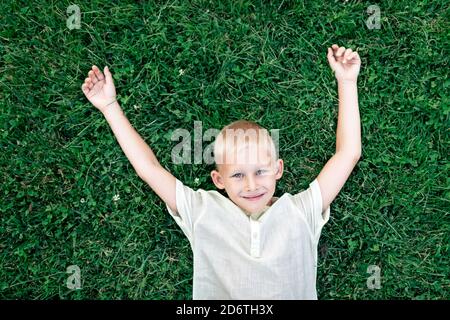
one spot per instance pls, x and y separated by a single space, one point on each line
240 175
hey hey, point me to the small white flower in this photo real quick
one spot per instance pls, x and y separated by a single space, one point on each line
82 200
196 180
181 72
116 197
136 106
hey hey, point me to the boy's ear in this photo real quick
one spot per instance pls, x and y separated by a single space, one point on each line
280 168
217 179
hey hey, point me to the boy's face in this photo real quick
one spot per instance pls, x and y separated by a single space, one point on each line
249 184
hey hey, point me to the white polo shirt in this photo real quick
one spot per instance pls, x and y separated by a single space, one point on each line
238 257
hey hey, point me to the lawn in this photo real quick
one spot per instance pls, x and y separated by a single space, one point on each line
71 197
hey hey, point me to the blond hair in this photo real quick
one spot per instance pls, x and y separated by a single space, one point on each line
238 135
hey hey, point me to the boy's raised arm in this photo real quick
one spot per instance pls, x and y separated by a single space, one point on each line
346 64
100 91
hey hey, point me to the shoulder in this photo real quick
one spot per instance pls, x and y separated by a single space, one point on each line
199 195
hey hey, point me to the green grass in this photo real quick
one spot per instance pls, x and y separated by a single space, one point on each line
263 61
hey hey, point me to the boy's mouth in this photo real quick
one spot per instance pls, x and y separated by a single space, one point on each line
254 198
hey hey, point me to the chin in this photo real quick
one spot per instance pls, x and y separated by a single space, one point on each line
253 209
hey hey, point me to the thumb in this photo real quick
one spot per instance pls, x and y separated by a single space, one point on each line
108 76
331 59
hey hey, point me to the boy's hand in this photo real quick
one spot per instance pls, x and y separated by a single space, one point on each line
344 62
99 88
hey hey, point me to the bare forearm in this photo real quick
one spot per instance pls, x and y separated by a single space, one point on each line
137 151
348 133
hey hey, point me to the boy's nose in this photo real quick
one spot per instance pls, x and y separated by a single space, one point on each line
250 183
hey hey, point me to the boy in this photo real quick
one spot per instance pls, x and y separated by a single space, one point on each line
250 245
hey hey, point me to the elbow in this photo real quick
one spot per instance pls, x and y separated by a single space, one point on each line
141 172
146 171
354 155
358 155
140 175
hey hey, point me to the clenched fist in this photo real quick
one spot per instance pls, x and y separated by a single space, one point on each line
344 62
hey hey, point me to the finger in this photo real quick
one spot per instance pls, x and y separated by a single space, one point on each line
85 88
352 56
348 58
88 82
347 53
98 73
335 48
93 77
330 54
340 51
108 76
331 59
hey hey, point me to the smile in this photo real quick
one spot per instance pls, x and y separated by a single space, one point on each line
254 198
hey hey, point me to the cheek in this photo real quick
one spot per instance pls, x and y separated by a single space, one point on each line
270 185
268 181
234 186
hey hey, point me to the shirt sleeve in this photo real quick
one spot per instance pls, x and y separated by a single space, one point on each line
309 202
190 205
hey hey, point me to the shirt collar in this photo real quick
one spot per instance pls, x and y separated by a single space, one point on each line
257 215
